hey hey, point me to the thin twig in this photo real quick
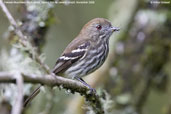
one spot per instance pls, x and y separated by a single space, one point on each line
18 106
22 38
12 21
65 83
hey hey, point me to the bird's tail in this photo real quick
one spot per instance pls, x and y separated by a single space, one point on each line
30 97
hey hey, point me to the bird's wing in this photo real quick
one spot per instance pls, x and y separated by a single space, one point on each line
70 56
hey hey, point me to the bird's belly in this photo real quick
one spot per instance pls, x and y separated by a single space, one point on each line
91 62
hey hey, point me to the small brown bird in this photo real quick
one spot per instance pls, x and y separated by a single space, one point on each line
87 52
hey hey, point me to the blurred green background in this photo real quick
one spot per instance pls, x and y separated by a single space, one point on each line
139 78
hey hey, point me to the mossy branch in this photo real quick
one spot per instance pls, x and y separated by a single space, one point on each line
52 81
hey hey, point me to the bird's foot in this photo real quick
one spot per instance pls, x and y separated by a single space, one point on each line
92 90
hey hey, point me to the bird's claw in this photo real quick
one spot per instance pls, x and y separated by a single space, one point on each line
91 91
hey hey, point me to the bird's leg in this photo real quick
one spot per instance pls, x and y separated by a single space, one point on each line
84 83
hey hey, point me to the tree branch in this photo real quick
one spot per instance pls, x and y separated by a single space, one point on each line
12 20
23 40
18 106
52 80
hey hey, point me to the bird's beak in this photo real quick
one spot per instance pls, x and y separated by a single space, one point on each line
115 29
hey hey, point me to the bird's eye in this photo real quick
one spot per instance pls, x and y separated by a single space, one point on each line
99 27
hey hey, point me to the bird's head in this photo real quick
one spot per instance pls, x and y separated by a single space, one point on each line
98 28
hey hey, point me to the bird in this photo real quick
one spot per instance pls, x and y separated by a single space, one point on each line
87 52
